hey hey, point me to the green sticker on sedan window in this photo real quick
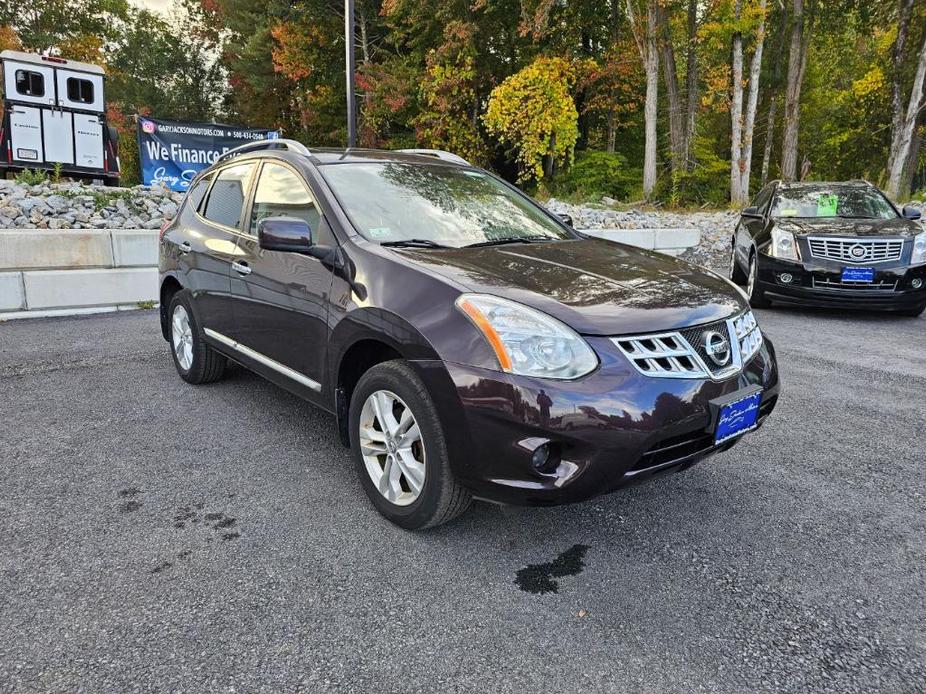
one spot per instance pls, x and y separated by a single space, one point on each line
380 232
826 205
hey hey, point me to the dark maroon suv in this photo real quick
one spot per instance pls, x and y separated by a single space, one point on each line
470 343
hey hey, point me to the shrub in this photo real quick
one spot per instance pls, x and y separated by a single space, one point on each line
32 177
707 183
594 174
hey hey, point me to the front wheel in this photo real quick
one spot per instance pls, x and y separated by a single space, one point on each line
756 295
399 449
736 273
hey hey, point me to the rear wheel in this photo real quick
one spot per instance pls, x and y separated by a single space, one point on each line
196 361
756 295
399 449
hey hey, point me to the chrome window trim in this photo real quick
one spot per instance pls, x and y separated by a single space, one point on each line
264 359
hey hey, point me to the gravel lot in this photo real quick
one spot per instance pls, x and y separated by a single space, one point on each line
158 536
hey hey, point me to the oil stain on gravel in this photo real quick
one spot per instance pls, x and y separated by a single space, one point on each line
538 578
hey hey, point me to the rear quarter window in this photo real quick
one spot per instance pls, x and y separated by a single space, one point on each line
226 197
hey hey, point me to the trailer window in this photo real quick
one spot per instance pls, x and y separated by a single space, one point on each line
29 83
80 91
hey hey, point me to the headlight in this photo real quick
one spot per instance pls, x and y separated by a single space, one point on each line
783 245
919 248
528 342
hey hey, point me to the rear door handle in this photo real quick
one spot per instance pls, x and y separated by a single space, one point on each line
185 247
241 268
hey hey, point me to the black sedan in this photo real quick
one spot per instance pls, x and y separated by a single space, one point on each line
830 245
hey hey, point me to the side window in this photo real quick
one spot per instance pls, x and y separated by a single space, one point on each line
29 83
761 200
226 199
198 191
80 90
282 193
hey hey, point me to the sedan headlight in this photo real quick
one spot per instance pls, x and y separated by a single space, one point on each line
919 249
528 342
783 245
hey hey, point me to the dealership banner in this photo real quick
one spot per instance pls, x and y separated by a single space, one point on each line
173 153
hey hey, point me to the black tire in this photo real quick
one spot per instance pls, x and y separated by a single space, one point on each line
441 498
912 312
737 276
207 364
756 296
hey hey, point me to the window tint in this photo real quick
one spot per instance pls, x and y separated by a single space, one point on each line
227 195
762 198
195 196
80 90
29 83
281 193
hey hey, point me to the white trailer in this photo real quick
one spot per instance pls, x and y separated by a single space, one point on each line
55 116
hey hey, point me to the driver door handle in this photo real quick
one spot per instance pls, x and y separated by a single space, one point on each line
241 268
185 247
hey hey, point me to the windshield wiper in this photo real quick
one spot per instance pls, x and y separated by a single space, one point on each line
510 239
857 216
413 243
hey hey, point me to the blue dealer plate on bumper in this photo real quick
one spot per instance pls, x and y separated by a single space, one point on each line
858 274
737 416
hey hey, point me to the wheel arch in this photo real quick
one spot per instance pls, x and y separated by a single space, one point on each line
169 286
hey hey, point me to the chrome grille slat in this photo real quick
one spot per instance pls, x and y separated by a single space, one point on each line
841 249
881 285
680 354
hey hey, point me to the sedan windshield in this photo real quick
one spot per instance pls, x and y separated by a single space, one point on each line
436 206
824 202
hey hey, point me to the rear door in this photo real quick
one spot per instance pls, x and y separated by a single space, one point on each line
208 246
281 299
58 136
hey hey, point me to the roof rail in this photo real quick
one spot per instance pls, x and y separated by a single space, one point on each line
289 145
437 154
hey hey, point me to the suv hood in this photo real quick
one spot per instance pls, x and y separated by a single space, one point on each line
839 226
594 286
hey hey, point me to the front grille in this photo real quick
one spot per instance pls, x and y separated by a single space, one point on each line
686 353
695 337
824 282
856 250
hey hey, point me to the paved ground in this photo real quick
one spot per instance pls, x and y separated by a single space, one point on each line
158 536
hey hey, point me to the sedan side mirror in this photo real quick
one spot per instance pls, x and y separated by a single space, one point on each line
565 219
752 212
911 213
285 234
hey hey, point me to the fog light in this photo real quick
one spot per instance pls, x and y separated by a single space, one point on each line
916 283
545 458
786 277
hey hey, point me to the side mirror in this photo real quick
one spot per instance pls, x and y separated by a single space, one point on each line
752 213
285 234
566 219
911 213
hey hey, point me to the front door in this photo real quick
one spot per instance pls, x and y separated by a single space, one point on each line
281 299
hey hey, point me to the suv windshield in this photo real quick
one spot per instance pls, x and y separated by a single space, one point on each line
822 202
435 205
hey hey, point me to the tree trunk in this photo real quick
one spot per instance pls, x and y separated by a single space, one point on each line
769 136
670 75
904 141
752 102
797 64
612 132
691 82
903 28
775 98
646 44
736 112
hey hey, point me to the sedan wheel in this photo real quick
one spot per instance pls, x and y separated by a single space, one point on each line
182 337
756 295
392 448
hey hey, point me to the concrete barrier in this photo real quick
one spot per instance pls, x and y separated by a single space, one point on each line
669 241
45 273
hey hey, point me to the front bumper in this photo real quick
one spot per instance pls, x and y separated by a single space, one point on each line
614 427
818 283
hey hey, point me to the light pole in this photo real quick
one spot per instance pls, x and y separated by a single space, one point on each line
350 66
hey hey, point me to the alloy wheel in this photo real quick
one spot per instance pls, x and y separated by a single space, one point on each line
392 447
753 271
181 334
